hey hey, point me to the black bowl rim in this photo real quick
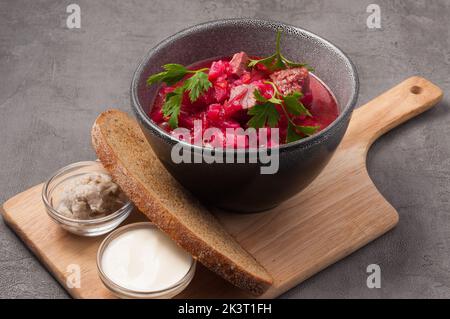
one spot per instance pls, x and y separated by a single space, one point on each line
303 143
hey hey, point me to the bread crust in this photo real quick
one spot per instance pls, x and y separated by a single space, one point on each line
155 210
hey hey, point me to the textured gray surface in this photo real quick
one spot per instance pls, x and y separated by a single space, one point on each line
54 81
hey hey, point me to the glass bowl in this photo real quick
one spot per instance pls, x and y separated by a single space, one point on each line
83 227
127 293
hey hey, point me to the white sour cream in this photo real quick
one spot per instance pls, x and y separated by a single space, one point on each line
145 259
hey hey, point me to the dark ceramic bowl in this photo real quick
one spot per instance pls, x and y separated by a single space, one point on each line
235 186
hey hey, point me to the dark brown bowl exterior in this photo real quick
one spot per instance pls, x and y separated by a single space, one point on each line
235 186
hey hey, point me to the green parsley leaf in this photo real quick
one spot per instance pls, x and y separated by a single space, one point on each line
297 65
172 106
277 61
197 84
172 74
266 112
307 130
293 135
259 97
275 100
293 104
268 62
262 114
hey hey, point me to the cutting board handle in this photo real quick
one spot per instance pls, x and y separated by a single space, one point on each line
401 103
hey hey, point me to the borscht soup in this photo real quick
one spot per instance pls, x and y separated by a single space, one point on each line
219 102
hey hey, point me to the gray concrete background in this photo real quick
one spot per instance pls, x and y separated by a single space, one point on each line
55 81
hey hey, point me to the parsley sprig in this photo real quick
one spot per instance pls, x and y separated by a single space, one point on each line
196 85
265 113
277 61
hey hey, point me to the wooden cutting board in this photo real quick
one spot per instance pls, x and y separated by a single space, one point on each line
338 213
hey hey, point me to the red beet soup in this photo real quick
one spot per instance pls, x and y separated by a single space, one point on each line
234 93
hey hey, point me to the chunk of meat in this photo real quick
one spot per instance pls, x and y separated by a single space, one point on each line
243 94
290 80
238 63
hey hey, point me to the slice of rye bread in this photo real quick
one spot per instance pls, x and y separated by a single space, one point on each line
123 150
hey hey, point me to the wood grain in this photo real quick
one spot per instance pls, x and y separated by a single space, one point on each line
338 213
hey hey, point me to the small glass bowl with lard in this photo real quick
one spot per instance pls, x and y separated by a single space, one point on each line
83 199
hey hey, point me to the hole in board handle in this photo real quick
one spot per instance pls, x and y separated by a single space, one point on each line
415 89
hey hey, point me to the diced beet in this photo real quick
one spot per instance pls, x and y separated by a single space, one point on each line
217 69
257 75
290 80
204 99
262 68
186 102
231 109
157 115
214 112
265 89
246 77
221 91
186 120
238 63
307 98
230 123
